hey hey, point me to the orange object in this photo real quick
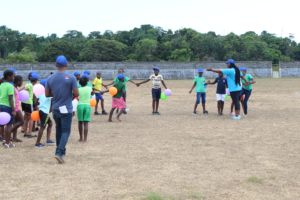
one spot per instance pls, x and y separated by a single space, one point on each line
113 91
93 102
35 116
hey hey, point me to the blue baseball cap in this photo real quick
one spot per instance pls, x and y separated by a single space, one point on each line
76 73
156 68
120 76
243 69
34 76
200 70
12 69
62 60
230 61
43 82
86 72
86 76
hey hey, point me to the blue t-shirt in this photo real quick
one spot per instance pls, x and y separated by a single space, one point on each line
222 83
231 79
61 85
45 103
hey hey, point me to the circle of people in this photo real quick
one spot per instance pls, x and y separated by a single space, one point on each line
64 94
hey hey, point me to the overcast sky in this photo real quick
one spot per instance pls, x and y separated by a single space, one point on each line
221 16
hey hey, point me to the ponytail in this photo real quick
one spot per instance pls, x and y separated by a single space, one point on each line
237 73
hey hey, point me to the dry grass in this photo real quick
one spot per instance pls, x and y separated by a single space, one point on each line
176 155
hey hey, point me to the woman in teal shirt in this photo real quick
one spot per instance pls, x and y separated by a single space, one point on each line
233 80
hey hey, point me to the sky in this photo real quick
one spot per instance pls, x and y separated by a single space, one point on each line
221 16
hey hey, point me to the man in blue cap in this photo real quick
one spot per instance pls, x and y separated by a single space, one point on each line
86 72
156 89
61 86
77 76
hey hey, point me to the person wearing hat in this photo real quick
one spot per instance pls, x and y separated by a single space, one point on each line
116 80
27 106
44 112
86 72
233 80
97 83
13 70
199 82
246 90
62 86
77 76
156 89
118 100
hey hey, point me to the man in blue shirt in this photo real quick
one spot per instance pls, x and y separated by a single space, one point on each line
221 92
60 86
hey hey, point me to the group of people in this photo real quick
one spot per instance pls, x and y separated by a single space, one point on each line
61 88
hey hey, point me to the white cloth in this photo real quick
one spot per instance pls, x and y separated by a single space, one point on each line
220 97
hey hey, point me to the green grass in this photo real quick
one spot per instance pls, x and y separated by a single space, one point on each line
155 196
255 179
195 194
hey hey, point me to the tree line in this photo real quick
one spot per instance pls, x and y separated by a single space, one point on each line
147 43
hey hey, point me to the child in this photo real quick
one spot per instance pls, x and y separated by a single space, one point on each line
84 108
44 111
116 80
156 89
199 82
246 90
77 76
117 100
27 106
98 84
221 92
7 104
19 121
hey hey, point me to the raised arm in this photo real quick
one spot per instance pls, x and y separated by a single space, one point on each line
164 84
193 87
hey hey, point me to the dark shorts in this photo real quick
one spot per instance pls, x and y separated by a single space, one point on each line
199 96
98 96
9 111
45 118
27 108
156 93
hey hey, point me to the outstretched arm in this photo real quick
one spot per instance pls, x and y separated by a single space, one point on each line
192 88
104 86
214 70
109 84
133 82
208 82
104 91
164 84
145 81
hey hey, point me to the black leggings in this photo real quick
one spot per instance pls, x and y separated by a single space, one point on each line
235 98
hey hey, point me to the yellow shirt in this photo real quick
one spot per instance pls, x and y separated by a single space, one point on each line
97 84
156 80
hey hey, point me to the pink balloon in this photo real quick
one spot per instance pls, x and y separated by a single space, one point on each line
23 96
4 118
38 89
227 92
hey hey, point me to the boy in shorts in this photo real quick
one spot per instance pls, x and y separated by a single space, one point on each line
221 92
98 84
44 111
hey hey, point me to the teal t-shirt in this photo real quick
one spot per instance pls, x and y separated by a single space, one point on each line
200 81
126 79
231 79
45 103
248 77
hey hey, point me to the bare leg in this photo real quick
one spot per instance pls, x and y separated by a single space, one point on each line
231 109
19 122
222 106
102 104
195 107
110 114
27 119
40 134
153 104
203 106
8 133
157 104
120 113
80 131
49 131
2 131
86 130
30 126
96 107
219 107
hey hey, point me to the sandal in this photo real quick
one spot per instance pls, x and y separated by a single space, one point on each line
17 140
10 145
30 136
36 129
22 131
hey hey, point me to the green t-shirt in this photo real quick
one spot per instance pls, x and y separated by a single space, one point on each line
200 81
89 84
248 77
6 89
84 95
79 86
30 91
120 87
126 79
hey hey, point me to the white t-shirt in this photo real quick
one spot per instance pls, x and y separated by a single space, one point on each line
156 80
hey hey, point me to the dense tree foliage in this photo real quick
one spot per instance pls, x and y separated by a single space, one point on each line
147 43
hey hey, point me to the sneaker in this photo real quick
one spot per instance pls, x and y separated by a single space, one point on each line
221 114
195 113
206 113
96 113
40 145
158 113
59 159
50 143
104 112
75 116
125 113
245 115
153 113
235 117
232 113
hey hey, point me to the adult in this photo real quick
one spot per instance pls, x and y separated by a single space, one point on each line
116 80
61 86
233 80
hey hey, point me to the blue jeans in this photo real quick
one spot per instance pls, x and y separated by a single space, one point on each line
63 130
199 96
247 94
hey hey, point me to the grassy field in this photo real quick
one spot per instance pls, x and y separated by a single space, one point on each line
173 156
